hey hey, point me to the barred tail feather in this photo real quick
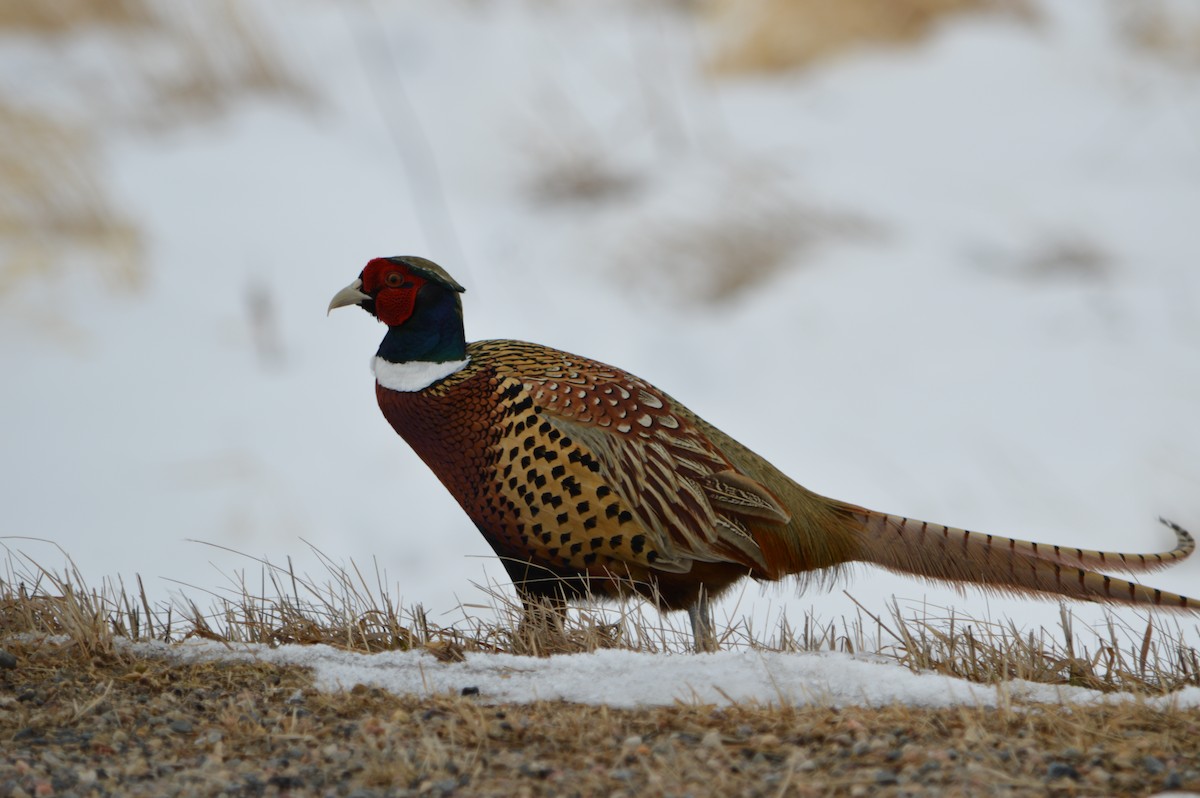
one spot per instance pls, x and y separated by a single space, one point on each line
1015 566
1089 559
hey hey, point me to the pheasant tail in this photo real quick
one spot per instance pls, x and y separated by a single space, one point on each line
1014 566
824 533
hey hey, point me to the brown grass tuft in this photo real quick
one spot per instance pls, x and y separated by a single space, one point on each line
752 235
353 610
163 66
773 35
1160 28
51 203
63 16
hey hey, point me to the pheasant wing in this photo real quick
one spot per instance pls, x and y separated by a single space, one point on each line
691 501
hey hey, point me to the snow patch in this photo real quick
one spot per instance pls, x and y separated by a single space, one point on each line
629 679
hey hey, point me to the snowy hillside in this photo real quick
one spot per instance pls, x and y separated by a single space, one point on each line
957 280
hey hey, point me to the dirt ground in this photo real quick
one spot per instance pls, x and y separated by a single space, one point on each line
74 724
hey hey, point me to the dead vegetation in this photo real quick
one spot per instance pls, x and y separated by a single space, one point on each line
162 65
352 610
58 17
52 205
1061 256
1165 29
80 712
746 240
576 172
773 35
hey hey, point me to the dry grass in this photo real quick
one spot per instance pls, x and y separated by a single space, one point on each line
51 206
748 236
164 65
64 16
352 609
80 713
1165 29
775 35
162 62
1054 257
578 170
772 35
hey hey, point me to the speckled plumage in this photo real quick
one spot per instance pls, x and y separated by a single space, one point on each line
519 438
587 480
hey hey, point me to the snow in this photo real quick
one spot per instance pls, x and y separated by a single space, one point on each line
628 679
980 308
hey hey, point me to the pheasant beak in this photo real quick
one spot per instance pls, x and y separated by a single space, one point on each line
350 295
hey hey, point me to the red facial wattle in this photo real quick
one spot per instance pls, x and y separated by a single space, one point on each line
394 304
395 290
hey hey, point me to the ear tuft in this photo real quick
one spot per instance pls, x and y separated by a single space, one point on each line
429 270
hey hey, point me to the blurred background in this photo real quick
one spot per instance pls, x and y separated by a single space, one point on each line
937 257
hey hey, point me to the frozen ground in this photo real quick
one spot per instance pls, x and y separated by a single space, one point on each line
981 306
627 679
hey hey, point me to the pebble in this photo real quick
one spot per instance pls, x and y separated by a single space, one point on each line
7 660
536 770
181 726
446 786
1058 770
1153 764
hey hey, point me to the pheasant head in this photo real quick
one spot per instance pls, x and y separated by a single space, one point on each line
418 301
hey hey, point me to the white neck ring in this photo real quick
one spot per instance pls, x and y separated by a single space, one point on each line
416 375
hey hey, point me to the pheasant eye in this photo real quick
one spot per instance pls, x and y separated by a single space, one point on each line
394 280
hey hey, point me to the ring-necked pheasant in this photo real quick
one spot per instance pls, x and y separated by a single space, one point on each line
587 480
